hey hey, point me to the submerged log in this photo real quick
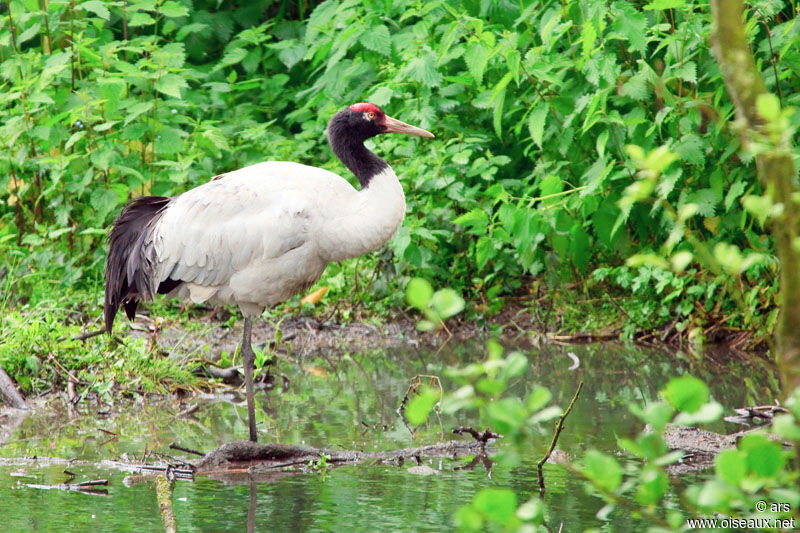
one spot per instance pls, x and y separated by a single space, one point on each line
254 458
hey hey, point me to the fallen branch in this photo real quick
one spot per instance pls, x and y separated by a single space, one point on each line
83 336
559 428
180 448
85 487
9 391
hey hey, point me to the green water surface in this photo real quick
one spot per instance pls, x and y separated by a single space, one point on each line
344 401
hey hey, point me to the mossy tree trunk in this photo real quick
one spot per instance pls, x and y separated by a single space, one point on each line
775 170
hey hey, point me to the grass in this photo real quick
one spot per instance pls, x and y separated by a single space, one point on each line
40 317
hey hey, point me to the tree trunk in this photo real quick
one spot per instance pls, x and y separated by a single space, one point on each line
775 170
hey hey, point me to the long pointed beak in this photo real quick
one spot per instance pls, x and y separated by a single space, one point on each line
395 126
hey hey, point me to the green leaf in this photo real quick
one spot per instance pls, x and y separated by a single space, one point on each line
538 398
233 55
29 34
468 519
170 8
680 260
532 510
170 55
764 457
706 201
760 207
137 109
708 412
734 192
514 365
686 72
656 414
588 37
141 19
786 426
381 96
189 29
75 137
497 505
476 58
665 4
536 122
632 25
292 55
103 201
484 251
506 415
171 85
731 466
653 483
420 406
476 220
214 139
549 186
687 393
446 303
169 141
691 149
423 69
97 7
377 39
419 293
768 107
602 470
111 90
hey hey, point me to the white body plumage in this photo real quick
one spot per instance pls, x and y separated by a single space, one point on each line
260 234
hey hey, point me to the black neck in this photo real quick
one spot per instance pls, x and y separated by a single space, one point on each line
348 145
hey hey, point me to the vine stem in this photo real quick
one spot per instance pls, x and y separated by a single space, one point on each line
558 428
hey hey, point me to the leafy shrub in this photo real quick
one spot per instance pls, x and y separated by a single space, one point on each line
533 104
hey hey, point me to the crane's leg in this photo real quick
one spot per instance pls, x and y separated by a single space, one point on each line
249 363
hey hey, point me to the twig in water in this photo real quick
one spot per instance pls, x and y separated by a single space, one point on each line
178 447
559 428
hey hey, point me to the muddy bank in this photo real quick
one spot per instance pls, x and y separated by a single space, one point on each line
208 333
300 336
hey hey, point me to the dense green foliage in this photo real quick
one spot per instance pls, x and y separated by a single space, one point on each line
570 137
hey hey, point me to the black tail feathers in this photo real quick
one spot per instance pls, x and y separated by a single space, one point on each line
131 263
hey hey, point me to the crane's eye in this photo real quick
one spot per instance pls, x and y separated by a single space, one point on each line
370 115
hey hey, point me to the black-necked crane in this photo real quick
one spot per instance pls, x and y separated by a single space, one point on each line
256 236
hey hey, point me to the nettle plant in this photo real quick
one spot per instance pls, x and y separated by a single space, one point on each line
533 104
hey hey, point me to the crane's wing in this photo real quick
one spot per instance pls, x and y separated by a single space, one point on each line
257 213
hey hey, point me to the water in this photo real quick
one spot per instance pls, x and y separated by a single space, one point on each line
345 401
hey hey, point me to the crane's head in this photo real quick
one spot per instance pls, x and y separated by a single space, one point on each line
362 121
